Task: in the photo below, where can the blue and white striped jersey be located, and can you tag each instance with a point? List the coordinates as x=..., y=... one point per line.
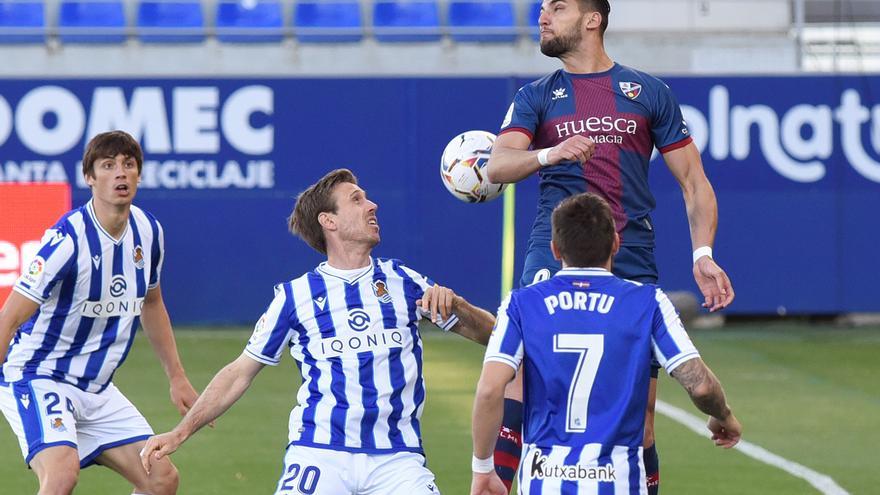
x=90, y=288
x=355, y=338
x=585, y=338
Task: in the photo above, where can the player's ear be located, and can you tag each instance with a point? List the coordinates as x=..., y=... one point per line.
x=555, y=250
x=594, y=21
x=90, y=181
x=327, y=220
x=615, y=246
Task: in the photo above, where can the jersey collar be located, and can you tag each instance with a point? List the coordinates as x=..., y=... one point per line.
x=91, y=209
x=583, y=272
x=348, y=276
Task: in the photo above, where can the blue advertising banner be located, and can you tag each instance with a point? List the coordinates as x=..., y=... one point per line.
x=795, y=163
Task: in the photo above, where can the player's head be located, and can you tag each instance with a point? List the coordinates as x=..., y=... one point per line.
x=583, y=232
x=564, y=23
x=336, y=209
x=112, y=165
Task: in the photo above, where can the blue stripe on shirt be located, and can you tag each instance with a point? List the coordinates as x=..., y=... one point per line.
x=318, y=288
x=96, y=359
x=85, y=323
x=369, y=393
x=281, y=326
x=155, y=251
x=413, y=293
x=308, y=418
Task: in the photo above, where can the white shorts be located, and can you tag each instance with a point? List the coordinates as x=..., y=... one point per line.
x=45, y=413
x=309, y=470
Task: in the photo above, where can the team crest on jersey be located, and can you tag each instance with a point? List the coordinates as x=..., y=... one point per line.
x=138, y=256
x=57, y=424
x=380, y=291
x=630, y=89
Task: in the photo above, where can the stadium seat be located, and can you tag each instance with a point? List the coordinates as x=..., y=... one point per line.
x=482, y=20
x=250, y=21
x=328, y=21
x=406, y=20
x=22, y=21
x=91, y=21
x=170, y=21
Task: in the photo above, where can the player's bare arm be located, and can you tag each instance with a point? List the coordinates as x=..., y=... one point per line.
x=16, y=311
x=512, y=161
x=157, y=326
x=488, y=411
x=707, y=394
x=702, y=212
x=473, y=323
x=227, y=386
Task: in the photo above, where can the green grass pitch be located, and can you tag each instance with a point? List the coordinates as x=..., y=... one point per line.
x=809, y=394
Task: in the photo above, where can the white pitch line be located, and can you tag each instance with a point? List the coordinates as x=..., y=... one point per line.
x=822, y=482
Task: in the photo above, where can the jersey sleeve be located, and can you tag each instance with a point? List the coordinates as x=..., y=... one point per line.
x=506, y=343
x=273, y=330
x=672, y=345
x=424, y=282
x=56, y=256
x=522, y=115
x=668, y=127
x=158, y=253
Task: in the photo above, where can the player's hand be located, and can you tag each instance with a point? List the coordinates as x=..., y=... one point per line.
x=183, y=395
x=487, y=484
x=713, y=283
x=438, y=299
x=577, y=148
x=725, y=433
x=158, y=446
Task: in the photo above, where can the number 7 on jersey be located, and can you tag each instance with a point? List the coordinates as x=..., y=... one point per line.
x=589, y=349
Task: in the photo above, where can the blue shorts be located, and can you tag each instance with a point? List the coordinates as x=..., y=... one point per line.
x=634, y=263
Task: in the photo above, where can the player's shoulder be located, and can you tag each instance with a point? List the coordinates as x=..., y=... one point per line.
x=649, y=83
x=545, y=84
x=394, y=267
x=143, y=215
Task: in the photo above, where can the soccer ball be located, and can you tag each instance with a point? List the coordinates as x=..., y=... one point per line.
x=463, y=167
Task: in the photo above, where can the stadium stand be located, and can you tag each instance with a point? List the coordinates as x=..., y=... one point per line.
x=169, y=21
x=22, y=21
x=250, y=21
x=91, y=21
x=328, y=21
x=406, y=20
x=482, y=20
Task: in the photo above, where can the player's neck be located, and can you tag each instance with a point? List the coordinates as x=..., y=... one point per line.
x=113, y=218
x=588, y=59
x=349, y=258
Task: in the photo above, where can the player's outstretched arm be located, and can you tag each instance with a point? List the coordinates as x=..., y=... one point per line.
x=157, y=326
x=473, y=323
x=488, y=411
x=227, y=386
x=707, y=394
x=512, y=161
x=17, y=310
x=702, y=211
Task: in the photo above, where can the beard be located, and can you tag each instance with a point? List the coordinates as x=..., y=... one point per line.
x=562, y=43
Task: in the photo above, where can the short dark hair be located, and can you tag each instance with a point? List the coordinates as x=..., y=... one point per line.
x=603, y=7
x=583, y=230
x=108, y=145
x=317, y=199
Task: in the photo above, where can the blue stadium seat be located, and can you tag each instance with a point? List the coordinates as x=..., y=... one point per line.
x=250, y=21
x=482, y=20
x=22, y=21
x=170, y=21
x=91, y=21
x=328, y=21
x=406, y=20
x=532, y=21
